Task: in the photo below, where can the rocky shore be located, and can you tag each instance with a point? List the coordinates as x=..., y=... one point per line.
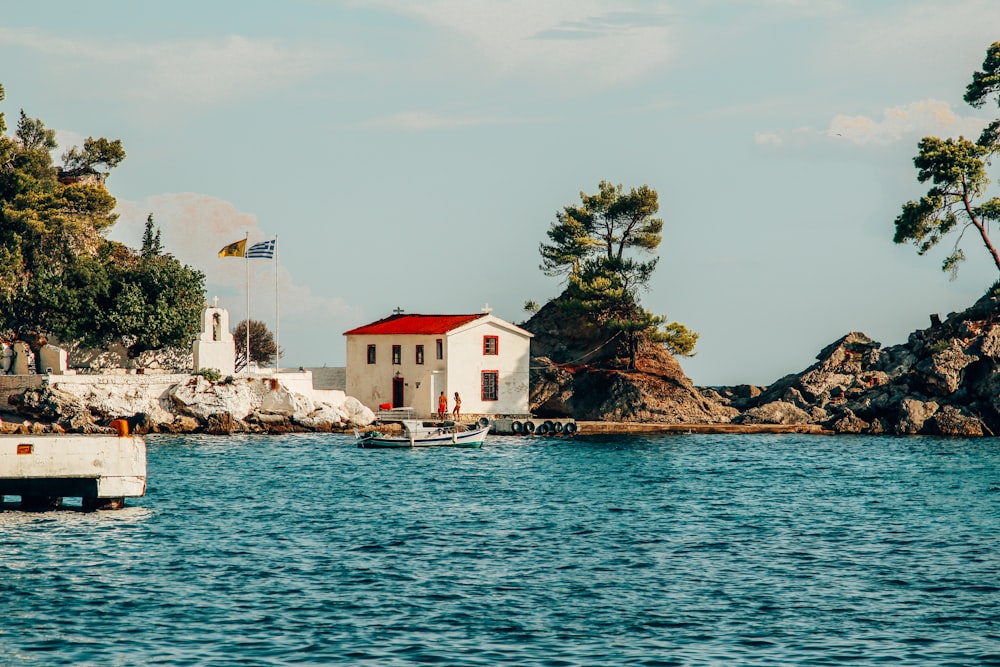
x=945, y=380
x=180, y=404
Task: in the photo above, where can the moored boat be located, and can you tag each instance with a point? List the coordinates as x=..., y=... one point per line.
x=416, y=433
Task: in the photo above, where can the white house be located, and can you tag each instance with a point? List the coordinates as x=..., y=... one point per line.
x=408, y=360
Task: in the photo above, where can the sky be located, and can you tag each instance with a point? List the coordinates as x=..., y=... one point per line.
x=413, y=154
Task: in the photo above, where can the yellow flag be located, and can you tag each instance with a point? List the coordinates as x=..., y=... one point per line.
x=234, y=249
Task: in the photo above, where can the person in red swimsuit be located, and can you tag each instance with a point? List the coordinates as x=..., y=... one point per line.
x=442, y=406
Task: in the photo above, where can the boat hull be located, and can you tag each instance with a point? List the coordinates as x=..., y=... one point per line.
x=472, y=438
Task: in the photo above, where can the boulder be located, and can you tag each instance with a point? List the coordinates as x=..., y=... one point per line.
x=952, y=421
x=54, y=406
x=181, y=424
x=109, y=401
x=943, y=372
x=281, y=401
x=200, y=398
x=222, y=423
x=775, y=412
x=989, y=346
x=324, y=419
x=849, y=423
x=912, y=415
x=356, y=414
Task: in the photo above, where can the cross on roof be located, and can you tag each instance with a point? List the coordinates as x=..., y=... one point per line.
x=397, y=311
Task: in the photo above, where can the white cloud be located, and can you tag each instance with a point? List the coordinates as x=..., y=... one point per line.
x=428, y=120
x=175, y=73
x=901, y=123
x=195, y=227
x=592, y=41
x=767, y=139
x=926, y=117
x=920, y=42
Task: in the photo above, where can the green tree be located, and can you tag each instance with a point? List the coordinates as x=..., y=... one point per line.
x=262, y=346
x=151, y=244
x=59, y=275
x=156, y=302
x=600, y=246
x=95, y=153
x=956, y=169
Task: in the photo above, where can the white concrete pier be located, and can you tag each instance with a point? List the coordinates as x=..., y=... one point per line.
x=102, y=470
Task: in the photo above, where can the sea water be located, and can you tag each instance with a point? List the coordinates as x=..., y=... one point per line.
x=665, y=550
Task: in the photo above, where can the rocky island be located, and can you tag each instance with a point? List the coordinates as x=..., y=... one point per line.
x=945, y=380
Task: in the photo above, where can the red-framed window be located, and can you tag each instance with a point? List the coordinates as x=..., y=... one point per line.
x=491, y=386
x=397, y=354
x=439, y=348
x=420, y=354
x=371, y=354
x=491, y=345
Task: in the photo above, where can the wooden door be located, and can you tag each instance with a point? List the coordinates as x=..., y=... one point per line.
x=397, y=392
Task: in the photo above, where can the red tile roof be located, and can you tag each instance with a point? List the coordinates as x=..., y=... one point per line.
x=414, y=324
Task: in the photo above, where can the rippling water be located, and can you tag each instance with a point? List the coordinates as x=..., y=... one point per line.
x=671, y=550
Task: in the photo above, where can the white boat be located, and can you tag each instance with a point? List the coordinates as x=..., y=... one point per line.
x=416, y=433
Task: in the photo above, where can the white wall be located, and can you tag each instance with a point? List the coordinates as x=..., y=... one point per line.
x=467, y=362
x=372, y=383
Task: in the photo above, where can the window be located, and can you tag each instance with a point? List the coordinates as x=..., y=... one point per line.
x=420, y=354
x=371, y=354
x=397, y=354
x=490, y=385
x=491, y=345
x=440, y=348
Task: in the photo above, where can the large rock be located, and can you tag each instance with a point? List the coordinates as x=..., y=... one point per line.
x=849, y=422
x=776, y=412
x=913, y=414
x=950, y=420
x=355, y=413
x=51, y=405
x=944, y=380
x=943, y=372
x=580, y=369
x=123, y=400
x=201, y=398
x=843, y=368
x=990, y=344
x=657, y=391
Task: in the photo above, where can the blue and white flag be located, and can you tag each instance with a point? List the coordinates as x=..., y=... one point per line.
x=263, y=250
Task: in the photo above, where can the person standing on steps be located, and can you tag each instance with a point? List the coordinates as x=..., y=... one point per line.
x=458, y=407
x=442, y=406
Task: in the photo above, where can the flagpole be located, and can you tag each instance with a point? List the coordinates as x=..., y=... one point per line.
x=277, y=311
x=246, y=263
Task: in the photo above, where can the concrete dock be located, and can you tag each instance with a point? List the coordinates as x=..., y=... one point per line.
x=571, y=427
x=102, y=470
x=597, y=428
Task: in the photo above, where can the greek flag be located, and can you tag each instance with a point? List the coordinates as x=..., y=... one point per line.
x=262, y=250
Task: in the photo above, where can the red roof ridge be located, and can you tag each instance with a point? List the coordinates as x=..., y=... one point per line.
x=414, y=324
